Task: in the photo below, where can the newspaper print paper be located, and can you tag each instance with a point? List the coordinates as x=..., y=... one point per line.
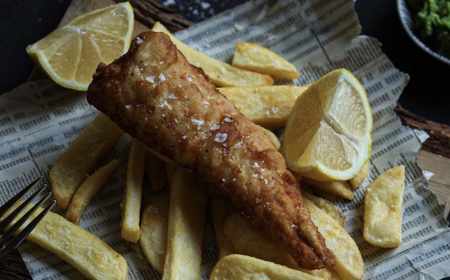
x=317, y=36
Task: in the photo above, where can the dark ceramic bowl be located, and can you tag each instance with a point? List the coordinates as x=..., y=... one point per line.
x=407, y=22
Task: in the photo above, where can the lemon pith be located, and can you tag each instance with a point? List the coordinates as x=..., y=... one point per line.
x=70, y=54
x=328, y=134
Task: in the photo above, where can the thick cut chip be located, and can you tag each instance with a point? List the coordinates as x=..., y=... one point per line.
x=256, y=58
x=329, y=207
x=273, y=138
x=383, y=209
x=220, y=73
x=246, y=240
x=133, y=193
x=239, y=267
x=339, y=189
x=171, y=167
x=155, y=172
x=187, y=211
x=220, y=212
x=70, y=54
x=328, y=134
x=81, y=158
x=349, y=262
x=356, y=181
x=324, y=273
x=268, y=106
x=154, y=230
x=88, y=189
x=84, y=251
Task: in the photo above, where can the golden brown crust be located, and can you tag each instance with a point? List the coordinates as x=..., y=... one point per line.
x=154, y=94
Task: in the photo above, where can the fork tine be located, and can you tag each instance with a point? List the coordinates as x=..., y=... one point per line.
x=17, y=240
x=16, y=197
x=6, y=221
x=12, y=229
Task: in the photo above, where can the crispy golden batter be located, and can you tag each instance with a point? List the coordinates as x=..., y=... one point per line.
x=154, y=94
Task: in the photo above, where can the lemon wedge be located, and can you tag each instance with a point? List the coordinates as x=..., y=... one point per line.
x=70, y=54
x=328, y=134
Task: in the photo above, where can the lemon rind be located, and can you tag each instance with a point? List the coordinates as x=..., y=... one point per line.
x=73, y=84
x=317, y=170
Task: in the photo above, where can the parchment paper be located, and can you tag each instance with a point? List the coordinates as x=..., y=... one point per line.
x=317, y=36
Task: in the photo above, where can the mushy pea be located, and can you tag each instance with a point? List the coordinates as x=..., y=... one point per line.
x=432, y=22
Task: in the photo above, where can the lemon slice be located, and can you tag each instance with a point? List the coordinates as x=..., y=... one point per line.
x=70, y=54
x=328, y=134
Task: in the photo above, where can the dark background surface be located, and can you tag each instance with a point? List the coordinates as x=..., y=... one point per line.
x=25, y=21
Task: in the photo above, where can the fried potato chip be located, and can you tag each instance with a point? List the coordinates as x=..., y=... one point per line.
x=259, y=59
x=349, y=262
x=268, y=106
x=154, y=230
x=220, y=73
x=339, y=189
x=170, y=171
x=329, y=207
x=324, y=273
x=356, y=181
x=239, y=267
x=383, y=209
x=187, y=210
x=273, y=138
x=88, y=189
x=155, y=172
x=220, y=212
x=130, y=229
x=84, y=251
x=81, y=158
x=246, y=240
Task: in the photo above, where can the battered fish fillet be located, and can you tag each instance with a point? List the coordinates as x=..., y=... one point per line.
x=155, y=95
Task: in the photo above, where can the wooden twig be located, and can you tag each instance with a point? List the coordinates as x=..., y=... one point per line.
x=439, y=141
x=150, y=11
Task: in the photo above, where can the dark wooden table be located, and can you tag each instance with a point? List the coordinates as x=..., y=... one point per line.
x=23, y=22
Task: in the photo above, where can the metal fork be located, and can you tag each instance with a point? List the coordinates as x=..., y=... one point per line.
x=13, y=219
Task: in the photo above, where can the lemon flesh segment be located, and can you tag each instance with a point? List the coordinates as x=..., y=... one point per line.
x=71, y=54
x=328, y=134
x=113, y=20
